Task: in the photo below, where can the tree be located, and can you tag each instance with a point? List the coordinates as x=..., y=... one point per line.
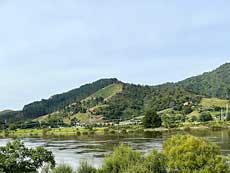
x=16, y=158
x=191, y=154
x=205, y=116
x=151, y=119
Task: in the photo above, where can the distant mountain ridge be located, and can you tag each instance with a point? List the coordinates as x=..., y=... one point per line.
x=128, y=100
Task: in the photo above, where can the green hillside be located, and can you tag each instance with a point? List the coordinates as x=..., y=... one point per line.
x=59, y=101
x=212, y=84
x=11, y=115
x=107, y=92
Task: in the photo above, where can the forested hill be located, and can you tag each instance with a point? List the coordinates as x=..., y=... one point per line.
x=59, y=101
x=113, y=99
x=56, y=102
x=212, y=84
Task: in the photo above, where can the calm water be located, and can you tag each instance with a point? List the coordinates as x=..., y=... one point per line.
x=93, y=148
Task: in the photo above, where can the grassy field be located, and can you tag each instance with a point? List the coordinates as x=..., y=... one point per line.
x=213, y=102
x=107, y=92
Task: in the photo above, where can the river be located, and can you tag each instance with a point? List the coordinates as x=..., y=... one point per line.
x=73, y=150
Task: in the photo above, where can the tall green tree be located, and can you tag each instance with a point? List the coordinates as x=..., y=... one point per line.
x=151, y=119
x=16, y=158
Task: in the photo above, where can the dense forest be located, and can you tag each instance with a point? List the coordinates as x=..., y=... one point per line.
x=135, y=99
x=114, y=99
x=211, y=84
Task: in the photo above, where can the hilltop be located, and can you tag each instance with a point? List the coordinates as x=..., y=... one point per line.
x=211, y=84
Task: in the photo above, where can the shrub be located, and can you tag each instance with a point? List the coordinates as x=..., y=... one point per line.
x=63, y=168
x=192, y=118
x=205, y=116
x=121, y=159
x=137, y=169
x=86, y=168
x=191, y=154
x=172, y=120
x=155, y=162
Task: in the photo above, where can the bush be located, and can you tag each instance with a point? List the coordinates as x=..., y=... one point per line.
x=193, y=118
x=191, y=154
x=155, y=162
x=63, y=168
x=172, y=120
x=205, y=116
x=86, y=168
x=121, y=159
x=137, y=169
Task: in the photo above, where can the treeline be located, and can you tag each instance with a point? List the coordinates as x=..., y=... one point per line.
x=211, y=84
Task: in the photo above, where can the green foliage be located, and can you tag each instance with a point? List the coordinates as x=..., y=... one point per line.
x=205, y=116
x=228, y=116
x=193, y=118
x=181, y=153
x=212, y=84
x=60, y=101
x=134, y=99
x=169, y=95
x=190, y=154
x=155, y=162
x=121, y=159
x=187, y=110
x=16, y=158
x=63, y=168
x=172, y=120
x=10, y=116
x=151, y=119
x=86, y=168
x=137, y=169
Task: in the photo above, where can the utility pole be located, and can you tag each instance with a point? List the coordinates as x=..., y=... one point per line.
x=227, y=104
x=226, y=114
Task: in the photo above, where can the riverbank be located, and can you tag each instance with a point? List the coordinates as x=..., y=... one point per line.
x=121, y=130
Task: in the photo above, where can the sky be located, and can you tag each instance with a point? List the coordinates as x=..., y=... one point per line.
x=52, y=46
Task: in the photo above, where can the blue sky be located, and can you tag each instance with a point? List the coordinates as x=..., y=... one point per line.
x=51, y=46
